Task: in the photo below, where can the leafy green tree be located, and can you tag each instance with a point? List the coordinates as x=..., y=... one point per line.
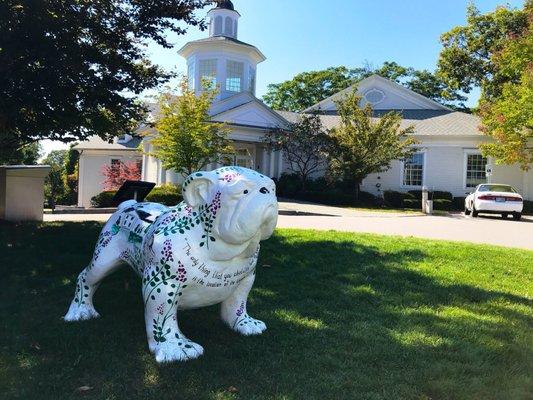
x=54, y=186
x=70, y=174
x=186, y=140
x=305, y=146
x=68, y=69
x=362, y=145
x=25, y=155
x=466, y=60
x=309, y=88
x=493, y=51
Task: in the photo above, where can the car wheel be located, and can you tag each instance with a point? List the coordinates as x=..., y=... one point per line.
x=474, y=211
x=505, y=215
x=467, y=211
x=517, y=216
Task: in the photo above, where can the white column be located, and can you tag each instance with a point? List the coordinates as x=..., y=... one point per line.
x=264, y=162
x=272, y=164
x=280, y=163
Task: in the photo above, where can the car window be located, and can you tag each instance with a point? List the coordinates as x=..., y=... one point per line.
x=496, y=188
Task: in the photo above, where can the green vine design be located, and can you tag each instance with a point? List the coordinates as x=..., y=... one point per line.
x=81, y=289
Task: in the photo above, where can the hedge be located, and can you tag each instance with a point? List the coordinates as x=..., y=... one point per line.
x=168, y=195
x=104, y=199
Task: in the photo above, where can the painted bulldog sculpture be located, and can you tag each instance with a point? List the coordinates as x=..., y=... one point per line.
x=199, y=253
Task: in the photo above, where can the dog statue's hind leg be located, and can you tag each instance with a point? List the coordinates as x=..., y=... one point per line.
x=105, y=261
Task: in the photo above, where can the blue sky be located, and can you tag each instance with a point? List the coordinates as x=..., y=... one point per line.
x=305, y=35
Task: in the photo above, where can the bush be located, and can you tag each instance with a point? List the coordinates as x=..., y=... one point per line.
x=169, y=195
x=437, y=194
x=104, y=199
x=458, y=203
x=442, y=204
x=288, y=185
x=396, y=199
x=412, y=203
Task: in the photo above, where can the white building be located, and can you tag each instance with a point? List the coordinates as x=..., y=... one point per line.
x=448, y=158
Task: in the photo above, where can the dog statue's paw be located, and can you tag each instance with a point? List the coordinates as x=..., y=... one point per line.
x=177, y=350
x=247, y=326
x=80, y=313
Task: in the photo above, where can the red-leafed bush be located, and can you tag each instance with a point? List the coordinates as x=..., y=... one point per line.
x=119, y=172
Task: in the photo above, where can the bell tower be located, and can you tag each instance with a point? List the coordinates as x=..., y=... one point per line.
x=221, y=59
x=223, y=20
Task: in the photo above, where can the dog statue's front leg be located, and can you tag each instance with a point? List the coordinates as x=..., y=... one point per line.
x=233, y=310
x=161, y=294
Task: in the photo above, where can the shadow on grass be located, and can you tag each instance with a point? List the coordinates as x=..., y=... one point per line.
x=349, y=316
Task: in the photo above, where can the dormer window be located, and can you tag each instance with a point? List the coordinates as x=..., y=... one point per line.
x=234, y=76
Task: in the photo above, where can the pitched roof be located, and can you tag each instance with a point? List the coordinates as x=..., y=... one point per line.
x=425, y=122
x=427, y=102
x=97, y=143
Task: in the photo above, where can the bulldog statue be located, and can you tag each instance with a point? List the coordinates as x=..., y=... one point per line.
x=199, y=253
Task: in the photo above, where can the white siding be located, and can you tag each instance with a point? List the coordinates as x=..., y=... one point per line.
x=90, y=176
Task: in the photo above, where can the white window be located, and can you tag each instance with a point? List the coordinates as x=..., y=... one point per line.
x=251, y=80
x=234, y=76
x=235, y=29
x=190, y=75
x=218, y=25
x=208, y=71
x=243, y=158
x=475, y=170
x=229, y=27
x=413, y=170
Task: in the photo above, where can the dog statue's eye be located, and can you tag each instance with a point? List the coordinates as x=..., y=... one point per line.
x=246, y=192
x=264, y=190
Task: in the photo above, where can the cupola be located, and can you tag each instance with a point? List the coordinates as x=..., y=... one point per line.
x=223, y=19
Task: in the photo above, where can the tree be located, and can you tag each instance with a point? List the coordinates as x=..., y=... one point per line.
x=309, y=88
x=305, y=146
x=25, y=155
x=70, y=174
x=466, y=60
x=54, y=187
x=362, y=145
x=494, y=51
x=116, y=174
x=71, y=69
x=186, y=139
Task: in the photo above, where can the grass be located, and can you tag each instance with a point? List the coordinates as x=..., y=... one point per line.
x=349, y=316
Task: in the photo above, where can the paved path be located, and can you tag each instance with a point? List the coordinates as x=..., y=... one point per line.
x=456, y=227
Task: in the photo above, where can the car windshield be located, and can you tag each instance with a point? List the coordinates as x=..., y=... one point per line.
x=496, y=188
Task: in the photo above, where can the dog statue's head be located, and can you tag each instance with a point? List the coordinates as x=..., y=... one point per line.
x=242, y=202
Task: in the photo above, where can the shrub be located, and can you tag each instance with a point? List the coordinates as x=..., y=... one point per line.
x=396, y=199
x=458, y=203
x=437, y=194
x=104, y=199
x=412, y=203
x=288, y=185
x=169, y=195
x=442, y=204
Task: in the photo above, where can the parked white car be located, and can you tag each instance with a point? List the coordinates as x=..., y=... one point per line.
x=494, y=198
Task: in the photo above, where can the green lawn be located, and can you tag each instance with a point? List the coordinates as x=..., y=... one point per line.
x=349, y=317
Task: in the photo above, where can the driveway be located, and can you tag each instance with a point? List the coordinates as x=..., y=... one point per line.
x=455, y=227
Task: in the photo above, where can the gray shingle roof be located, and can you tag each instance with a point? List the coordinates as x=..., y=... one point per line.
x=97, y=143
x=425, y=122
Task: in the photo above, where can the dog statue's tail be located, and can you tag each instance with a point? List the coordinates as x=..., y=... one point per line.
x=126, y=204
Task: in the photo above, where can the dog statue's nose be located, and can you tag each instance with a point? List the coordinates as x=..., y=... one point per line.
x=264, y=190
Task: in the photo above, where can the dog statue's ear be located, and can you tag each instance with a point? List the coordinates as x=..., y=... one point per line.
x=197, y=187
